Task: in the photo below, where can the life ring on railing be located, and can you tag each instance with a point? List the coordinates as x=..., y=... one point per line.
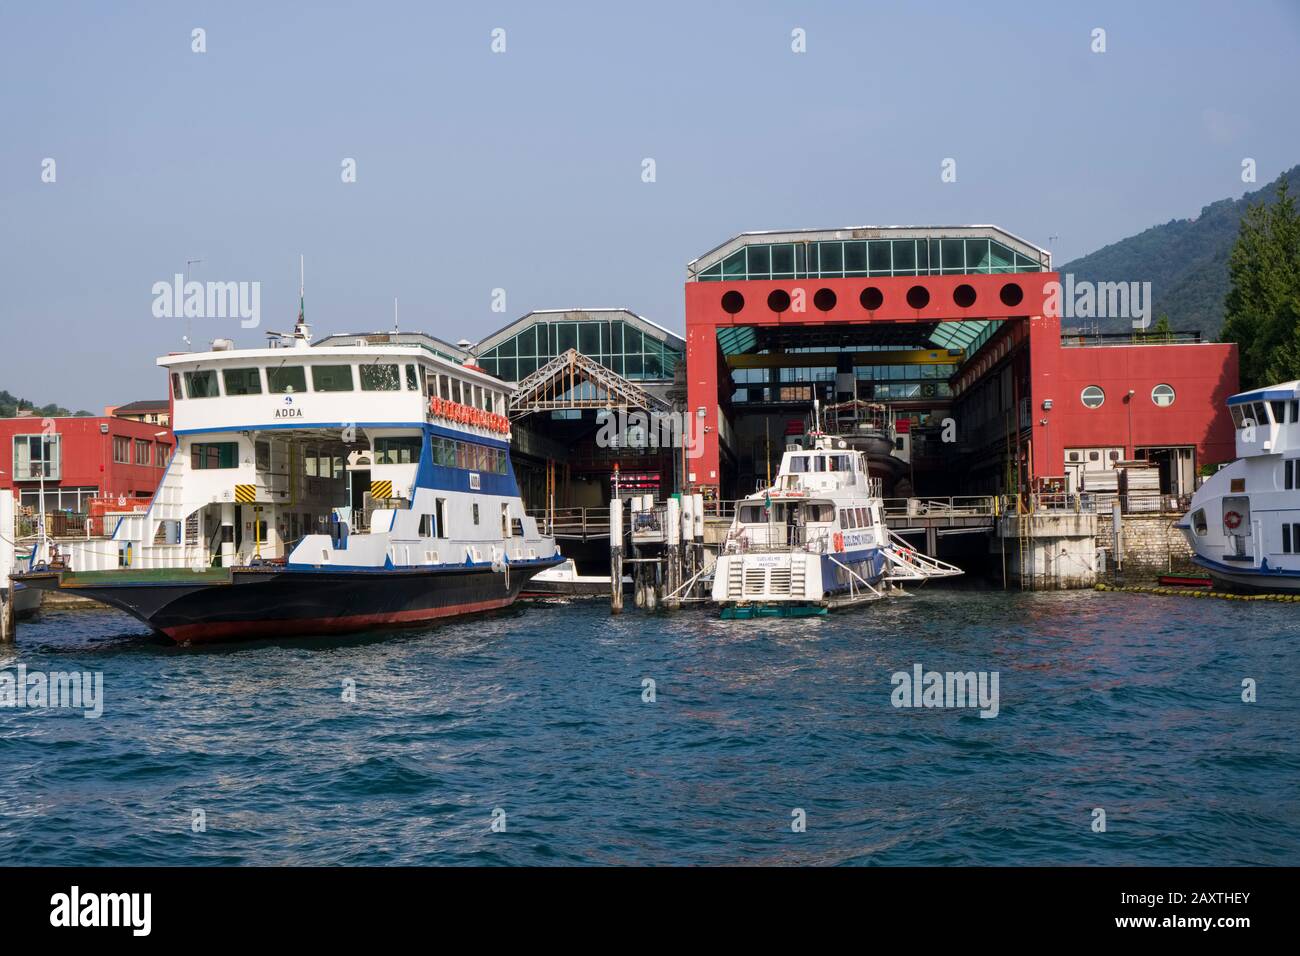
x=839, y=541
x=1231, y=520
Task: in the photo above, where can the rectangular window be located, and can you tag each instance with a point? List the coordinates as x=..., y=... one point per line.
x=378, y=378
x=176, y=387
x=37, y=456
x=161, y=453
x=201, y=384
x=242, y=381
x=142, y=446
x=331, y=378
x=262, y=455
x=1289, y=481
x=440, y=517
x=1295, y=411
x=426, y=526
x=286, y=380
x=1279, y=412
x=121, y=450
x=398, y=451
x=1286, y=539
x=223, y=454
x=412, y=381
x=476, y=512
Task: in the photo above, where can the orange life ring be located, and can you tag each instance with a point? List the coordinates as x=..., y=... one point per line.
x=839, y=541
x=1231, y=520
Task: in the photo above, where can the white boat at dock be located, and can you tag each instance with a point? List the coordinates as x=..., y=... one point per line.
x=1244, y=522
x=815, y=540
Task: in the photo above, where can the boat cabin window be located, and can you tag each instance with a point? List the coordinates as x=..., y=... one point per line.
x=1291, y=538
x=839, y=463
x=751, y=514
x=222, y=454
x=176, y=387
x=380, y=378
x=1295, y=411
x=286, y=380
x=242, y=381
x=1279, y=411
x=846, y=518
x=331, y=378
x=412, y=381
x=404, y=450
x=798, y=464
x=201, y=384
x=1199, y=525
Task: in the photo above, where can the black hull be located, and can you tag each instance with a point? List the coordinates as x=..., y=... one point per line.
x=277, y=602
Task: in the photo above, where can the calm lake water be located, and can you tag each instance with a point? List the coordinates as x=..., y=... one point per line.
x=1123, y=702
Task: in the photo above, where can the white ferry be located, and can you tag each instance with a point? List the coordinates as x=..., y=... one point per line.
x=815, y=540
x=1244, y=522
x=318, y=490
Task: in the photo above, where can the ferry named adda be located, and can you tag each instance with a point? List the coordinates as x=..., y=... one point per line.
x=1244, y=522
x=319, y=490
x=815, y=540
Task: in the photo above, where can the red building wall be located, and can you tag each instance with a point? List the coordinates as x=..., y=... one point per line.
x=1202, y=376
x=88, y=454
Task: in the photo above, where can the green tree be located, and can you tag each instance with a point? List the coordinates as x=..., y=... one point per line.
x=1263, y=301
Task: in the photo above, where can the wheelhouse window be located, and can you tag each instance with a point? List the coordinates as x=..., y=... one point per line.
x=398, y=451
x=242, y=381
x=286, y=380
x=202, y=384
x=210, y=455
x=799, y=464
x=176, y=387
x=751, y=514
x=1199, y=524
x=412, y=380
x=380, y=378
x=332, y=378
x=1092, y=397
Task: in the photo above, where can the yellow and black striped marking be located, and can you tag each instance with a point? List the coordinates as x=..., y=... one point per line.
x=381, y=490
x=245, y=494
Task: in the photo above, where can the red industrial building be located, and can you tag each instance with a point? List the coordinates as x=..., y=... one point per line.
x=945, y=325
x=81, y=459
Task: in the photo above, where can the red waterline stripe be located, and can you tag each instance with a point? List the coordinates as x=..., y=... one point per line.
x=323, y=625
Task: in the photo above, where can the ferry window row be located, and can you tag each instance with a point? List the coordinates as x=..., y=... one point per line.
x=453, y=389
x=855, y=518
x=1284, y=412
x=802, y=464
x=450, y=453
x=292, y=380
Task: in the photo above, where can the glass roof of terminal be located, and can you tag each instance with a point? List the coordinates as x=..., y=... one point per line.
x=837, y=259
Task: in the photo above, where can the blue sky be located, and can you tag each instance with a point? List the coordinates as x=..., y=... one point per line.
x=522, y=170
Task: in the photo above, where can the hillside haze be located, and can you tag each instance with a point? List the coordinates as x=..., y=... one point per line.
x=1185, y=260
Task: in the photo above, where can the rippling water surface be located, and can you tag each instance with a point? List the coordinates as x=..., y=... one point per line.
x=1118, y=701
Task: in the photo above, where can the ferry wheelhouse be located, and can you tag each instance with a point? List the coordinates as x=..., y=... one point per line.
x=815, y=540
x=317, y=490
x=1244, y=522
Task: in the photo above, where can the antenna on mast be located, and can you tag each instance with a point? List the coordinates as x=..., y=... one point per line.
x=301, y=330
x=394, y=315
